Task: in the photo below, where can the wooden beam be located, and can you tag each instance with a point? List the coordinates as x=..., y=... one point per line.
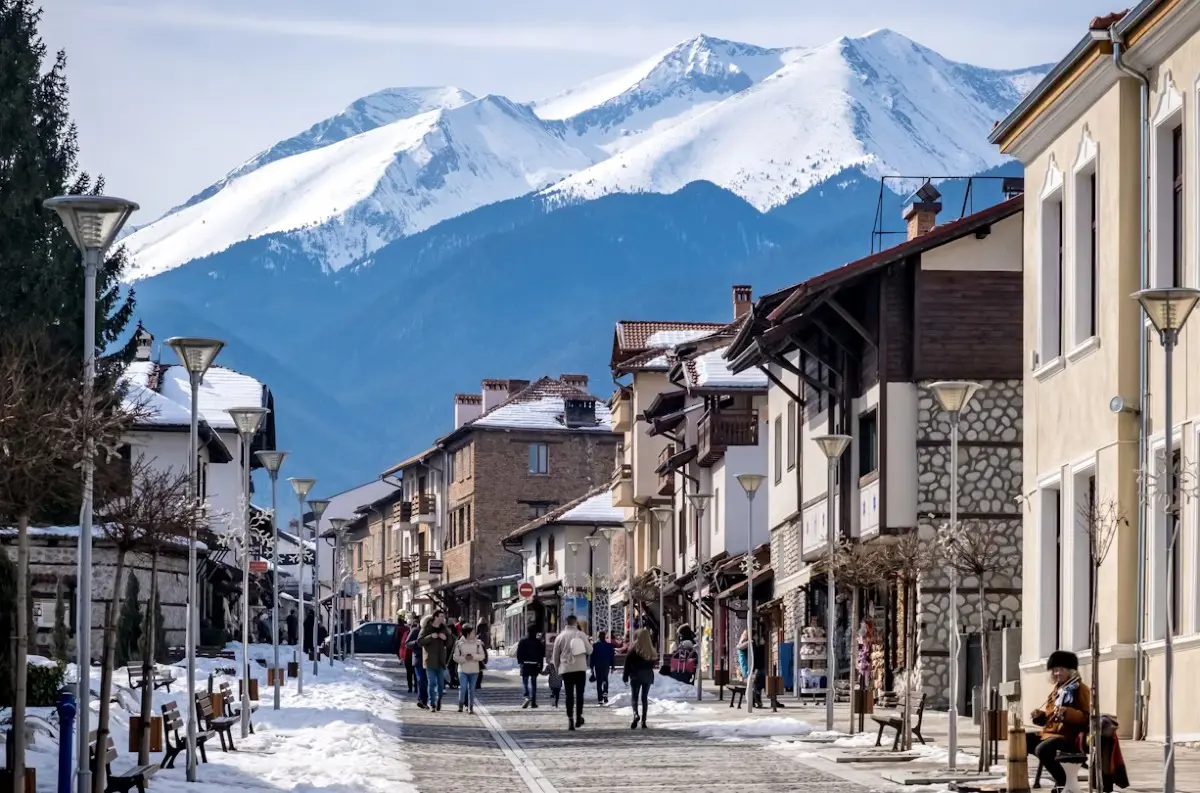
x=782, y=387
x=833, y=337
x=807, y=349
x=854, y=324
x=812, y=381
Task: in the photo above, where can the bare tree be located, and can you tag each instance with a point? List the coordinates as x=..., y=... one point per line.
x=50, y=418
x=908, y=560
x=975, y=552
x=859, y=567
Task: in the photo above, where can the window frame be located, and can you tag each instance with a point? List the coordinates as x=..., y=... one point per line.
x=1050, y=329
x=792, y=434
x=778, y=451
x=539, y=459
x=869, y=417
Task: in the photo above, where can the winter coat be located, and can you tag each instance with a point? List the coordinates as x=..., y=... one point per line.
x=603, y=655
x=402, y=642
x=472, y=647
x=531, y=654
x=571, y=651
x=437, y=649
x=639, y=669
x=293, y=623
x=1067, y=710
x=414, y=648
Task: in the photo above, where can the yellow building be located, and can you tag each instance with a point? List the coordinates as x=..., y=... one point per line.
x=1115, y=123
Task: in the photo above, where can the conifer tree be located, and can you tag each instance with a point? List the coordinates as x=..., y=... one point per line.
x=129, y=623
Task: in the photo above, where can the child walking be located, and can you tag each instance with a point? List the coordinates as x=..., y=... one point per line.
x=555, y=681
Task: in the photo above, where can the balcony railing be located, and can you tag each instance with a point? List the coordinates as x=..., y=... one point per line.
x=403, y=512
x=622, y=486
x=666, y=482
x=423, y=508
x=425, y=566
x=718, y=430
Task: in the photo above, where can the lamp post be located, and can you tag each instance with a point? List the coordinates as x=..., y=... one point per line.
x=750, y=484
x=318, y=508
x=301, y=487
x=195, y=355
x=1168, y=310
x=273, y=461
x=661, y=517
x=832, y=446
x=336, y=623
x=247, y=421
x=699, y=502
x=93, y=223
x=630, y=530
x=593, y=543
x=953, y=396
x=574, y=547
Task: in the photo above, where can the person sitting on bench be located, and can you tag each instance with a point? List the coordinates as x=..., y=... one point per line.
x=1063, y=718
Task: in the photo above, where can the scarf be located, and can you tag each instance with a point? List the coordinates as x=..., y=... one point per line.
x=1066, y=694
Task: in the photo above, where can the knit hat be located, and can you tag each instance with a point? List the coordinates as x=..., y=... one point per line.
x=1063, y=659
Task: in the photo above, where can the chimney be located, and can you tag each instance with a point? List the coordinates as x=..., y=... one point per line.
x=579, y=381
x=494, y=392
x=743, y=299
x=579, y=413
x=145, y=343
x=466, y=408
x=516, y=385
x=921, y=213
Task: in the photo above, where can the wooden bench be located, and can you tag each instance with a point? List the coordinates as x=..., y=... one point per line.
x=125, y=781
x=230, y=710
x=896, y=722
x=137, y=679
x=211, y=722
x=176, y=735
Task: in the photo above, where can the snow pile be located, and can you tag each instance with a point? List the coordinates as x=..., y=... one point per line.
x=745, y=728
x=664, y=688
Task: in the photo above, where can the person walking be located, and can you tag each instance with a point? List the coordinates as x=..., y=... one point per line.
x=451, y=666
x=410, y=631
x=417, y=658
x=436, y=644
x=571, y=655
x=484, y=636
x=603, y=657
x=531, y=654
x=639, y=673
x=293, y=623
x=469, y=653
x=308, y=634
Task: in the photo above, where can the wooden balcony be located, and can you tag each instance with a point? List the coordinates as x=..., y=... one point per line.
x=424, y=508
x=666, y=482
x=402, y=513
x=425, y=566
x=718, y=430
x=404, y=571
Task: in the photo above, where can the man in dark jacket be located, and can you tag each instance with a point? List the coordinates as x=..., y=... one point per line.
x=531, y=655
x=308, y=633
x=603, y=656
x=292, y=624
x=485, y=638
x=436, y=642
x=416, y=657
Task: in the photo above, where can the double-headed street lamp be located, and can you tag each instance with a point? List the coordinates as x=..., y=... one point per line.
x=247, y=420
x=750, y=484
x=699, y=502
x=318, y=507
x=195, y=355
x=273, y=461
x=93, y=223
x=301, y=487
x=337, y=579
x=631, y=526
x=662, y=517
x=1168, y=310
x=593, y=543
x=833, y=447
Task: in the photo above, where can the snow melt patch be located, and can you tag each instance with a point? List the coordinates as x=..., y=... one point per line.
x=744, y=728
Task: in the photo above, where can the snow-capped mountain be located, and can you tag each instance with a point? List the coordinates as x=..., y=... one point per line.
x=880, y=103
x=766, y=124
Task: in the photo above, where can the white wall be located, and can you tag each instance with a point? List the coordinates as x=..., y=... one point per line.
x=571, y=569
x=783, y=498
x=646, y=386
x=733, y=512
x=901, y=455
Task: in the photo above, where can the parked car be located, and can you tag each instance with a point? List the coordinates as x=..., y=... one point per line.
x=370, y=638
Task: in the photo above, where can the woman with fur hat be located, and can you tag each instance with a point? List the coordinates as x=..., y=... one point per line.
x=1063, y=718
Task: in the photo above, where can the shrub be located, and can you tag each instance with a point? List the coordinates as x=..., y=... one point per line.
x=45, y=681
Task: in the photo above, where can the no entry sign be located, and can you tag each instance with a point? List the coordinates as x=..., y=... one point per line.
x=525, y=590
x=258, y=565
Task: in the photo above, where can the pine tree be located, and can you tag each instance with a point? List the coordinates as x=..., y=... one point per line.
x=62, y=641
x=129, y=623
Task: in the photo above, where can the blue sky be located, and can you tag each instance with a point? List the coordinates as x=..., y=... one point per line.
x=169, y=95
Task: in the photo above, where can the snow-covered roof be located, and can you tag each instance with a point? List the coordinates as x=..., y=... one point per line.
x=593, y=507
x=72, y=532
x=540, y=407
x=160, y=410
x=665, y=339
x=170, y=405
x=711, y=370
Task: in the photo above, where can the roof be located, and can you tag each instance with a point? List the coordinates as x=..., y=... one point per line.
x=162, y=412
x=538, y=406
x=594, y=507
x=710, y=371
x=344, y=504
x=635, y=341
x=220, y=390
x=419, y=457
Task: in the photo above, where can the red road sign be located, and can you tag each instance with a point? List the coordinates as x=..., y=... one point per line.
x=525, y=590
x=258, y=565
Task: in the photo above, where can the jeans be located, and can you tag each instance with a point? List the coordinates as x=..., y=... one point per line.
x=601, y=673
x=410, y=674
x=529, y=685
x=466, y=691
x=422, y=692
x=639, y=689
x=1047, y=751
x=574, y=683
x=437, y=685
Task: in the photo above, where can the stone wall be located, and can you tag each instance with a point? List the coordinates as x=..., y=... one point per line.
x=989, y=483
x=786, y=561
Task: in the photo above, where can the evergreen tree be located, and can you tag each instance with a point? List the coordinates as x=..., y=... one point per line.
x=129, y=623
x=62, y=641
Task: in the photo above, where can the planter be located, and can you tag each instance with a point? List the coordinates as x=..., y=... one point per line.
x=775, y=686
x=253, y=688
x=135, y=734
x=293, y=669
x=271, y=675
x=721, y=677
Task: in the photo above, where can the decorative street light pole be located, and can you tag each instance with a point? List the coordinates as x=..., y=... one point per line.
x=662, y=515
x=273, y=461
x=631, y=526
x=593, y=543
x=699, y=502
x=832, y=446
x=93, y=223
x=247, y=420
x=750, y=484
x=337, y=623
x=195, y=355
x=318, y=507
x=573, y=575
x=1168, y=310
x=953, y=396
x=301, y=486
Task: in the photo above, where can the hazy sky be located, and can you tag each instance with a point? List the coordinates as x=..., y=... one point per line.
x=169, y=95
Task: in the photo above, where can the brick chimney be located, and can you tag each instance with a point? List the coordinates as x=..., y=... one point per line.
x=921, y=213
x=579, y=381
x=466, y=408
x=743, y=299
x=494, y=392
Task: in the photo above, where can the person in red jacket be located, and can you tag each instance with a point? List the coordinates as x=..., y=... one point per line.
x=404, y=653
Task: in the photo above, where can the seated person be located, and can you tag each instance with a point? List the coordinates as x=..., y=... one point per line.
x=1063, y=718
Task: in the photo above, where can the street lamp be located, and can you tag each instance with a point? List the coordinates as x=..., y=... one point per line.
x=247, y=421
x=833, y=447
x=318, y=507
x=954, y=396
x=631, y=526
x=273, y=461
x=1168, y=309
x=336, y=623
x=301, y=487
x=699, y=502
x=661, y=517
x=195, y=355
x=93, y=223
x=750, y=484
x=526, y=555
x=593, y=543
x=574, y=547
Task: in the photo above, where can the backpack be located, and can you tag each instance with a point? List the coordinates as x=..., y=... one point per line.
x=578, y=646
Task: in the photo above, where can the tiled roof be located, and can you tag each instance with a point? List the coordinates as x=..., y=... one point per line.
x=595, y=506
x=637, y=335
x=419, y=457
x=539, y=406
x=171, y=399
x=711, y=370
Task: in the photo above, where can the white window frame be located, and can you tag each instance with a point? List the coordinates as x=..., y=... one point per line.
x=1168, y=115
x=1193, y=520
x=1051, y=324
x=1157, y=574
x=1048, y=519
x=1085, y=311
x=1077, y=558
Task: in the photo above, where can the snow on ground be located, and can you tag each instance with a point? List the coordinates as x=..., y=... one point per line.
x=343, y=733
x=745, y=728
x=664, y=688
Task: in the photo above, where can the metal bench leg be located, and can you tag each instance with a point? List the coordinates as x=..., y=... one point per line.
x=917, y=732
x=879, y=737
x=896, y=743
x=203, y=754
x=1037, y=782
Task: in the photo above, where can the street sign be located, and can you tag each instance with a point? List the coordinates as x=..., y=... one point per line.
x=435, y=567
x=258, y=566
x=525, y=590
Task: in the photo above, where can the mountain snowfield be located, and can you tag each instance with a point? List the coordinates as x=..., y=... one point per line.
x=766, y=124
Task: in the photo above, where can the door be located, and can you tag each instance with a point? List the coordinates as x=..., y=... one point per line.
x=973, y=676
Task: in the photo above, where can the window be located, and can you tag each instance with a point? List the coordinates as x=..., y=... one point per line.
x=716, y=509
x=681, y=524
x=868, y=443
x=453, y=473
x=778, y=449
x=792, y=431
x=539, y=458
x=1051, y=327
x=202, y=475
x=1080, y=611
x=467, y=521
x=1047, y=512
x=538, y=510
x=537, y=556
x=1087, y=250
x=1177, y=207
x=550, y=553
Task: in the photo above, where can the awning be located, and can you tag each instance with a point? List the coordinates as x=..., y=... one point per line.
x=515, y=609
x=677, y=461
x=663, y=404
x=760, y=577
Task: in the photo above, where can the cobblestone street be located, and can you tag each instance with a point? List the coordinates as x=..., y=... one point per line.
x=503, y=748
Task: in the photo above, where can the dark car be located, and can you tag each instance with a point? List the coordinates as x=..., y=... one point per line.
x=370, y=638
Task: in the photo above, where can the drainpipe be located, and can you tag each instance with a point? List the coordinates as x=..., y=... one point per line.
x=1139, y=704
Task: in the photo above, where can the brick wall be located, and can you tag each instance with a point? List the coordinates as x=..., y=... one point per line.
x=968, y=325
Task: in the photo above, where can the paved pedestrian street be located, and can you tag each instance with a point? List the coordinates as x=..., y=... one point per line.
x=502, y=748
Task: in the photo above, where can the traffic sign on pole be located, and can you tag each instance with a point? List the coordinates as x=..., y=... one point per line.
x=525, y=590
